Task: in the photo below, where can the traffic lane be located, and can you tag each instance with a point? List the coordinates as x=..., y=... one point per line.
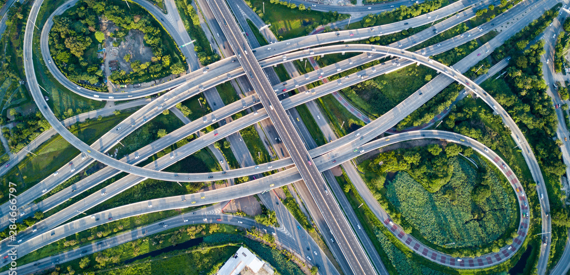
x=202, y=198
x=456, y=138
x=260, y=83
x=138, y=233
x=81, y=161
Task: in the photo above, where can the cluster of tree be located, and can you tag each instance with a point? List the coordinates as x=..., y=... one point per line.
x=73, y=35
x=427, y=165
x=563, y=93
x=290, y=5
x=12, y=40
x=402, y=12
x=267, y=217
x=562, y=43
x=27, y=128
x=19, y=227
x=202, y=45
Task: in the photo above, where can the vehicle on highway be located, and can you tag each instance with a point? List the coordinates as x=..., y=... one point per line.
x=219, y=219
x=110, y=218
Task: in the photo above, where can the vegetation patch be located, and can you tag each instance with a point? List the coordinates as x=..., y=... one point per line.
x=81, y=36
x=289, y=20
x=473, y=210
x=191, y=22
x=255, y=145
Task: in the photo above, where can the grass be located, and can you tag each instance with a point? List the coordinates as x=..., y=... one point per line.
x=230, y=157
x=54, y=153
x=342, y=121
x=255, y=145
x=287, y=23
x=260, y=38
x=282, y=72
x=60, y=98
x=146, y=134
x=227, y=93
x=311, y=124
x=199, y=162
x=389, y=90
x=199, y=109
x=397, y=258
x=293, y=207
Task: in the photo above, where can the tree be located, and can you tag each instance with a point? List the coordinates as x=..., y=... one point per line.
x=428, y=77
x=521, y=62
x=117, y=112
x=165, y=112
x=177, y=68
x=452, y=150
x=227, y=144
x=434, y=149
x=161, y=133
x=127, y=57
x=314, y=269
x=84, y=262
x=38, y=215
x=100, y=36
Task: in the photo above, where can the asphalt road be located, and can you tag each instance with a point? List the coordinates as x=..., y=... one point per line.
x=282, y=178
x=292, y=86
x=352, y=250
x=181, y=38
x=550, y=76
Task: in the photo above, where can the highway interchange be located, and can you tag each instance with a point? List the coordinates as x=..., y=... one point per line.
x=181, y=93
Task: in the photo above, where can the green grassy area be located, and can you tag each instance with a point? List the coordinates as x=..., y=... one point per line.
x=199, y=107
x=54, y=153
x=230, y=157
x=255, y=145
x=191, y=22
x=282, y=72
x=342, y=121
x=199, y=162
x=61, y=100
x=227, y=93
x=146, y=134
x=287, y=23
x=311, y=124
x=397, y=258
x=450, y=218
x=260, y=38
x=384, y=92
x=294, y=209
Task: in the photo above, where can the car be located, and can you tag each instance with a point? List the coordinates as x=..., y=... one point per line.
x=8, y=164
x=358, y=226
x=309, y=258
x=478, y=54
x=219, y=219
x=216, y=134
x=103, y=192
x=210, y=177
x=352, y=34
x=298, y=227
x=369, y=8
x=6, y=257
x=565, y=139
x=256, y=167
x=315, y=252
x=309, y=162
x=406, y=23
x=334, y=161
x=240, y=222
x=246, y=34
x=110, y=218
x=554, y=36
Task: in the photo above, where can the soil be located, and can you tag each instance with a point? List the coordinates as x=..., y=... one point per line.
x=249, y=205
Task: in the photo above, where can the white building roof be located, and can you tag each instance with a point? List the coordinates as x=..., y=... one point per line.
x=243, y=258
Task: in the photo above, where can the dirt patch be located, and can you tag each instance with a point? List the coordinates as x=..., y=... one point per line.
x=133, y=45
x=280, y=193
x=337, y=172
x=248, y=205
